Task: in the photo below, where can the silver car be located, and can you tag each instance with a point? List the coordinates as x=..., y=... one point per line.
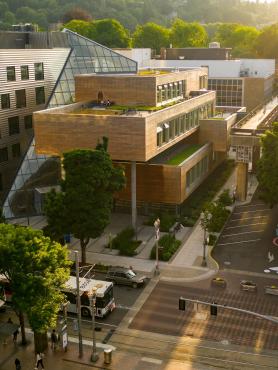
x=125, y=276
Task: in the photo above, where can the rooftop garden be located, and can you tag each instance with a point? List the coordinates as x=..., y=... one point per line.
x=98, y=112
x=182, y=156
x=138, y=108
x=150, y=72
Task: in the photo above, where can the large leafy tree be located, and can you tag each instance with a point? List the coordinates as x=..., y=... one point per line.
x=244, y=39
x=151, y=35
x=111, y=33
x=85, y=204
x=267, y=42
x=185, y=34
x=267, y=172
x=36, y=268
x=82, y=27
x=90, y=181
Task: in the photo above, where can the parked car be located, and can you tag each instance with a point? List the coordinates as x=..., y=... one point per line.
x=271, y=289
x=125, y=276
x=248, y=285
x=218, y=281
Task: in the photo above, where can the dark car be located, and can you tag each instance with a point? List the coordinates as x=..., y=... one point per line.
x=125, y=276
x=218, y=281
x=248, y=285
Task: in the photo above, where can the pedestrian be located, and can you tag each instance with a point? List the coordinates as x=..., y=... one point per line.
x=10, y=321
x=15, y=334
x=17, y=364
x=39, y=359
x=54, y=340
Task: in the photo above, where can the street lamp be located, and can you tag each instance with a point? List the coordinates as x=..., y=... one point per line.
x=78, y=304
x=156, y=228
x=205, y=218
x=92, y=299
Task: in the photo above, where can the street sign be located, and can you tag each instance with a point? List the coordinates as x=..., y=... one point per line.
x=65, y=339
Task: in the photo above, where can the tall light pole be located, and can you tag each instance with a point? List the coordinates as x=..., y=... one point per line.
x=78, y=304
x=205, y=218
x=92, y=298
x=156, y=228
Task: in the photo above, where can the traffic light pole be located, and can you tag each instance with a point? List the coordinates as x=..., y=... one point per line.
x=265, y=317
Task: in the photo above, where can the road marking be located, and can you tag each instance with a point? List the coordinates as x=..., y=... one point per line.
x=246, y=218
x=245, y=241
x=233, y=227
x=252, y=205
x=258, y=210
x=247, y=232
x=151, y=360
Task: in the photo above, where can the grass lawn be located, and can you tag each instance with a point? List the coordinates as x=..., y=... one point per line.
x=179, y=158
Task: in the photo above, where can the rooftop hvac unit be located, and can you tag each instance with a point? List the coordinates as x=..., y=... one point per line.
x=214, y=45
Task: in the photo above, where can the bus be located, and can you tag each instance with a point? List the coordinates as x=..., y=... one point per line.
x=105, y=302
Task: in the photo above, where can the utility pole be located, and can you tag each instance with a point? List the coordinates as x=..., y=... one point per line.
x=78, y=304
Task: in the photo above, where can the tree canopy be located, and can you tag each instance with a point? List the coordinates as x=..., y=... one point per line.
x=87, y=195
x=267, y=42
x=185, y=34
x=267, y=173
x=36, y=268
x=151, y=35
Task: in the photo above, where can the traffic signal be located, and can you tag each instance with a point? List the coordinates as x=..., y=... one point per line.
x=182, y=304
x=213, y=309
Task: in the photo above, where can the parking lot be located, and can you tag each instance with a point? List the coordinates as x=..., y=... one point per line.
x=246, y=242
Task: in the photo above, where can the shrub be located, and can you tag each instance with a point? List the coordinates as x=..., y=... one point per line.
x=212, y=239
x=168, y=246
x=124, y=243
x=225, y=199
x=167, y=220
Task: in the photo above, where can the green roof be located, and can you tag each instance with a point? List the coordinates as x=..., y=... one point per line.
x=182, y=156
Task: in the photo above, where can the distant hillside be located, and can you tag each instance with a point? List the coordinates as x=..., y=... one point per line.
x=133, y=12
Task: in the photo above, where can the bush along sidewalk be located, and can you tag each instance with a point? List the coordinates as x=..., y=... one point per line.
x=193, y=206
x=124, y=242
x=167, y=220
x=168, y=245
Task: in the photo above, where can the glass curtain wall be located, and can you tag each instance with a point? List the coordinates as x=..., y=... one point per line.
x=86, y=56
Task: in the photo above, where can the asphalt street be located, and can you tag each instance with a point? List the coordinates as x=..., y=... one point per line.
x=160, y=313
x=247, y=239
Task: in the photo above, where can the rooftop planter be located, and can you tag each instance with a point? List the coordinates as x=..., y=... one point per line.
x=182, y=156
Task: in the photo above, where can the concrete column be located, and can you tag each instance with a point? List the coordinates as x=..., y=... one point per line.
x=255, y=157
x=133, y=196
x=242, y=181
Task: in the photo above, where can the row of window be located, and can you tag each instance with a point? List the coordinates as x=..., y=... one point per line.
x=197, y=171
x=15, y=151
x=24, y=72
x=231, y=82
x=20, y=97
x=170, y=91
x=13, y=123
x=168, y=131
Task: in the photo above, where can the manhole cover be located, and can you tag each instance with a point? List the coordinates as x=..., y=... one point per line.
x=227, y=263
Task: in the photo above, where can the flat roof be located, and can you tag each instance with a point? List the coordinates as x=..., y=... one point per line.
x=86, y=285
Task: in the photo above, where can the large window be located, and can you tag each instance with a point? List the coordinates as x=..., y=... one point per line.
x=197, y=171
x=5, y=101
x=3, y=154
x=20, y=96
x=10, y=73
x=40, y=95
x=16, y=152
x=28, y=122
x=228, y=91
x=13, y=125
x=170, y=91
x=39, y=71
x=181, y=124
x=24, y=72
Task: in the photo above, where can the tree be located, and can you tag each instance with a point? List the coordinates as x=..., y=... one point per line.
x=185, y=34
x=243, y=41
x=36, y=268
x=267, y=173
x=267, y=42
x=54, y=209
x=224, y=34
x=76, y=14
x=90, y=181
x=81, y=27
x=151, y=35
x=110, y=32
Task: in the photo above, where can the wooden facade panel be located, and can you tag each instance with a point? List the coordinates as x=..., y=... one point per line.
x=58, y=133
x=155, y=183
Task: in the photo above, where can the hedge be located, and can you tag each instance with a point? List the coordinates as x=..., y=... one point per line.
x=124, y=242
